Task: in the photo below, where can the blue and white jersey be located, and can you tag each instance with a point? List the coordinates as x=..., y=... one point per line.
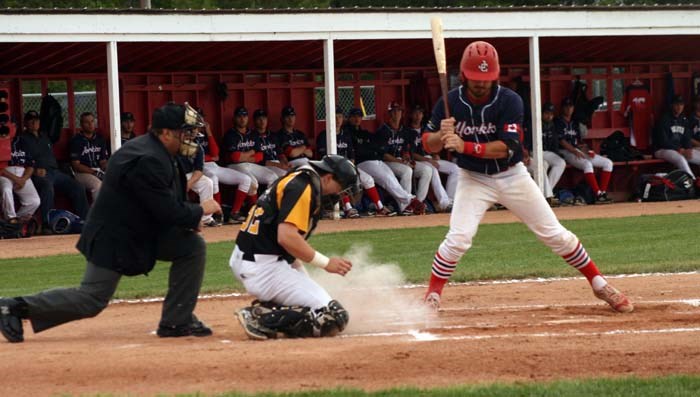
x=568, y=131
x=89, y=151
x=500, y=118
x=393, y=140
x=20, y=155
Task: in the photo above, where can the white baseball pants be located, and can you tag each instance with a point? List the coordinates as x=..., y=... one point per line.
x=259, y=174
x=554, y=167
x=204, y=187
x=384, y=177
x=516, y=190
x=678, y=160
x=366, y=180
x=28, y=197
x=452, y=171
x=90, y=182
x=430, y=174
x=587, y=163
x=299, y=161
x=227, y=176
x=403, y=173
x=271, y=279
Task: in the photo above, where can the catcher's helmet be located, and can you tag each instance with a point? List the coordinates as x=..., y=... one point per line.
x=480, y=62
x=342, y=168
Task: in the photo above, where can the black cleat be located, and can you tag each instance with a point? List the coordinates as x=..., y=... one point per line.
x=10, y=323
x=196, y=328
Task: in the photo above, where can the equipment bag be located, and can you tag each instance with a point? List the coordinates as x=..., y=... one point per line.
x=676, y=185
x=617, y=147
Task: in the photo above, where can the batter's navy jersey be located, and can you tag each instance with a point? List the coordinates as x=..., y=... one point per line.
x=367, y=145
x=500, y=118
x=413, y=138
x=236, y=142
x=568, y=131
x=695, y=127
x=343, y=143
x=20, y=156
x=89, y=151
x=269, y=145
x=292, y=140
x=392, y=140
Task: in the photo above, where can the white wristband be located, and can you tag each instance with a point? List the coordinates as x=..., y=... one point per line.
x=319, y=260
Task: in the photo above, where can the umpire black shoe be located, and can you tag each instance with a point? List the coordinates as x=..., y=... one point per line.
x=10, y=321
x=195, y=328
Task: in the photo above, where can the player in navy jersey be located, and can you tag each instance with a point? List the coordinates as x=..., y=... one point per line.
x=127, y=123
x=295, y=145
x=485, y=134
x=88, y=155
x=672, y=139
x=242, y=151
x=193, y=167
x=270, y=145
x=553, y=164
x=695, y=130
x=16, y=179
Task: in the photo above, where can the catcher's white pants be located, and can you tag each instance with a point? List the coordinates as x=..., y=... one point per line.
x=384, y=177
x=204, y=187
x=516, y=190
x=587, y=163
x=433, y=179
x=90, y=182
x=554, y=167
x=227, y=176
x=678, y=160
x=403, y=173
x=28, y=196
x=271, y=279
x=259, y=174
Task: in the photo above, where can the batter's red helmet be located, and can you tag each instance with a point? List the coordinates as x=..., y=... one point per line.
x=480, y=62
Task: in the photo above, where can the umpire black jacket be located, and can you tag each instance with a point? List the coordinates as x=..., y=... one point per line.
x=141, y=196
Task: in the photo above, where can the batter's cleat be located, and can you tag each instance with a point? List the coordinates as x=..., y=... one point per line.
x=251, y=327
x=616, y=299
x=432, y=301
x=195, y=328
x=10, y=322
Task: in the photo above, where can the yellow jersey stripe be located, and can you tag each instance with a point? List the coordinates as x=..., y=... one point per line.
x=281, y=185
x=299, y=215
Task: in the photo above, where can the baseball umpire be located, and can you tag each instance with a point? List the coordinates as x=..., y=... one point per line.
x=271, y=244
x=142, y=215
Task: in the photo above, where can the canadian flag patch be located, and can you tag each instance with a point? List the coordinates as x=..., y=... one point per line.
x=514, y=128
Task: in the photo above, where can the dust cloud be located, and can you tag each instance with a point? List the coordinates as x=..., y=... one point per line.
x=372, y=294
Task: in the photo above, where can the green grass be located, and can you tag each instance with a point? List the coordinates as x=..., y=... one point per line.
x=665, y=243
x=676, y=386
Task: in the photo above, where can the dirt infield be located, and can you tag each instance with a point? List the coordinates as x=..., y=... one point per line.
x=54, y=245
x=520, y=331
x=524, y=330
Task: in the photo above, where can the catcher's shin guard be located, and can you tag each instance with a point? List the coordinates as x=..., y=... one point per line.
x=300, y=321
x=332, y=319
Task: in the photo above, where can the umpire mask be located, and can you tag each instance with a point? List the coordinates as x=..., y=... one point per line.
x=192, y=121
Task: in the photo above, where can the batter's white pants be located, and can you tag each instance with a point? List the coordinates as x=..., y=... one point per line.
x=259, y=174
x=204, y=187
x=554, y=167
x=430, y=174
x=516, y=190
x=90, y=182
x=28, y=197
x=227, y=176
x=403, y=173
x=452, y=171
x=587, y=163
x=384, y=177
x=678, y=160
x=271, y=279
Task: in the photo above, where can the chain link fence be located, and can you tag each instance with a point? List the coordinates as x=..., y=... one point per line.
x=85, y=101
x=346, y=100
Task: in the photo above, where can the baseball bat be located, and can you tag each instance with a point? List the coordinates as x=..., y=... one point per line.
x=440, y=59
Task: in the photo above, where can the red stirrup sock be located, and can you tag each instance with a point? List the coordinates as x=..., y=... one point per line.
x=590, y=179
x=217, y=198
x=238, y=200
x=441, y=272
x=605, y=180
x=373, y=195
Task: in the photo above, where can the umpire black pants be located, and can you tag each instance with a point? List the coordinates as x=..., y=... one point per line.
x=185, y=249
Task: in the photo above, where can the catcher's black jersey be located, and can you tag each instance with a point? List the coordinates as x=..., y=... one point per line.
x=295, y=198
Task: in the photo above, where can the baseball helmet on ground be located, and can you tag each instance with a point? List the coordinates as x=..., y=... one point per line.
x=480, y=62
x=342, y=168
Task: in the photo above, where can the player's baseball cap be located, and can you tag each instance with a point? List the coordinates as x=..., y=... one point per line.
x=259, y=113
x=417, y=108
x=393, y=105
x=677, y=99
x=339, y=110
x=127, y=116
x=567, y=102
x=240, y=111
x=174, y=116
x=548, y=107
x=31, y=115
x=354, y=112
x=288, y=111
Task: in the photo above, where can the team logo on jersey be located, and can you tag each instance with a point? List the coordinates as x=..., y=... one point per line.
x=91, y=149
x=677, y=129
x=463, y=129
x=484, y=66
